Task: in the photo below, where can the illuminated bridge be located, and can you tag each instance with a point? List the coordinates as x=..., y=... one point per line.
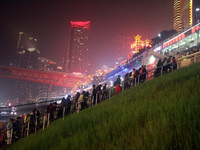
x=52, y=78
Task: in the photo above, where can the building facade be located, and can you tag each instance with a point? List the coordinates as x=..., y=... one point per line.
x=77, y=57
x=124, y=47
x=185, y=14
x=26, y=58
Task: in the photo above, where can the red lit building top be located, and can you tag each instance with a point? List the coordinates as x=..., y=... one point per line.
x=79, y=24
x=77, y=57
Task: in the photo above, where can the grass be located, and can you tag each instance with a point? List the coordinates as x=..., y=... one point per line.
x=163, y=113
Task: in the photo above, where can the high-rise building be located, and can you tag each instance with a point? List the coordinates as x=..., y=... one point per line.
x=184, y=13
x=177, y=16
x=27, y=58
x=124, y=47
x=77, y=59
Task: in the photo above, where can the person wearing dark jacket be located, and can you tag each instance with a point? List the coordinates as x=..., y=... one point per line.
x=68, y=104
x=144, y=73
x=158, y=68
x=60, y=108
x=85, y=98
x=64, y=102
x=51, y=110
x=94, y=94
x=99, y=94
x=118, y=81
x=164, y=63
x=105, y=92
x=126, y=81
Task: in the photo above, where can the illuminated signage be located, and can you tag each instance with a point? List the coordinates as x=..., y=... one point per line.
x=79, y=24
x=158, y=49
x=77, y=73
x=139, y=44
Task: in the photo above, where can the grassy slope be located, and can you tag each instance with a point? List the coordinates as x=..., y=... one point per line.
x=163, y=113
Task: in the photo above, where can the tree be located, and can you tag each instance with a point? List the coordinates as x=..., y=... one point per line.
x=163, y=36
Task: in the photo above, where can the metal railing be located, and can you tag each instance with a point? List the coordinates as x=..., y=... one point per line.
x=41, y=122
x=188, y=60
x=33, y=125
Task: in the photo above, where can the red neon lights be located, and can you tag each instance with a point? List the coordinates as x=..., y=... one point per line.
x=180, y=37
x=195, y=28
x=80, y=24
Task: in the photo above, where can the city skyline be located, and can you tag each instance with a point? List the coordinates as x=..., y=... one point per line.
x=50, y=23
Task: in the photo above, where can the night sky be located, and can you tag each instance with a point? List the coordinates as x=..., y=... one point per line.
x=49, y=22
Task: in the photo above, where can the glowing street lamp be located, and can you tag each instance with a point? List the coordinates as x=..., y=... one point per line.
x=31, y=49
x=197, y=14
x=20, y=55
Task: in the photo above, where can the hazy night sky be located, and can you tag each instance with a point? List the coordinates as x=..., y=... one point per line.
x=49, y=22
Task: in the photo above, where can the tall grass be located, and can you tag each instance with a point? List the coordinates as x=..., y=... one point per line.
x=163, y=113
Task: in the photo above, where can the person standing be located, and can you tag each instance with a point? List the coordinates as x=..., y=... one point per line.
x=68, y=104
x=132, y=78
x=105, y=92
x=117, y=85
x=99, y=94
x=75, y=100
x=144, y=73
x=158, y=68
x=94, y=94
x=9, y=129
x=37, y=116
x=81, y=100
x=51, y=111
x=85, y=99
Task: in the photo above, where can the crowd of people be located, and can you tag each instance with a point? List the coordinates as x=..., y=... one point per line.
x=166, y=65
x=30, y=123
x=135, y=76
x=21, y=126
x=138, y=76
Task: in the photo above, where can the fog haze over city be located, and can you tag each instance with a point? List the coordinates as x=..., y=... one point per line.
x=49, y=22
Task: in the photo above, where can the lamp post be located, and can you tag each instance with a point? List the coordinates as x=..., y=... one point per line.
x=31, y=49
x=19, y=52
x=19, y=39
x=20, y=55
x=197, y=15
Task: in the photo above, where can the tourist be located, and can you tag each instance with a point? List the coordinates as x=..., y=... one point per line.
x=9, y=130
x=117, y=85
x=99, y=94
x=105, y=92
x=68, y=104
x=94, y=94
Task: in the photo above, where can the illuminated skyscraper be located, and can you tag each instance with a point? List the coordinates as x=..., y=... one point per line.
x=77, y=59
x=177, y=16
x=184, y=13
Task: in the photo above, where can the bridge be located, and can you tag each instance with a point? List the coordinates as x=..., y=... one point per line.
x=52, y=78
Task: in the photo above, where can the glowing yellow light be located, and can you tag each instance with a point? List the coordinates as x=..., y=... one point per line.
x=139, y=44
